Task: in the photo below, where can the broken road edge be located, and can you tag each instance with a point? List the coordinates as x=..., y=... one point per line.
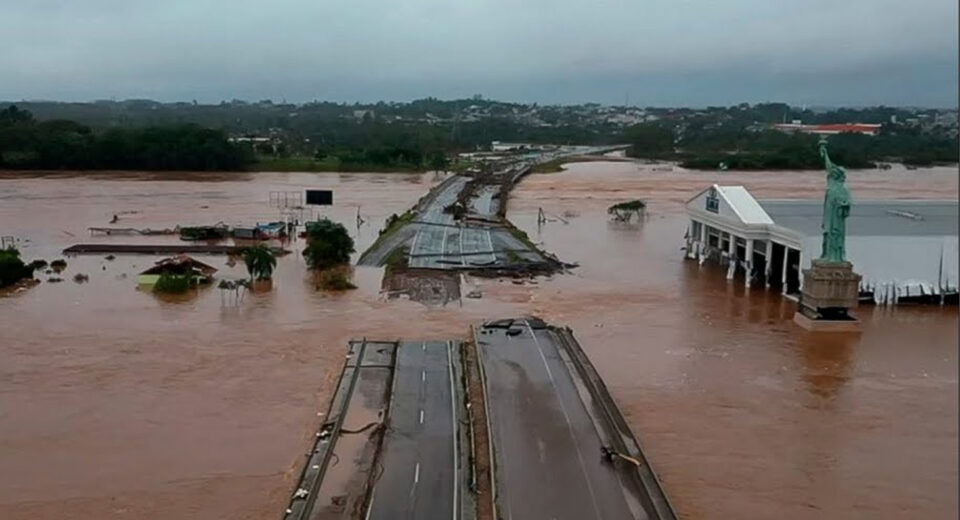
x=473, y=433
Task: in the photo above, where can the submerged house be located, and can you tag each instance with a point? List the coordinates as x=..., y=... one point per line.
x=180, y=265
x=193, y=233
x=904, y=249
x=270, y=230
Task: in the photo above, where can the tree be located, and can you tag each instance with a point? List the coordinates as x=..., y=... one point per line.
x=329, y=244
x=260, y=262
x=29, y=144
x=439, y=162
x=650, y=139
x=12, y=114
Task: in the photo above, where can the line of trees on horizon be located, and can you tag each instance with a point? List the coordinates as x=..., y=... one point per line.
x=28, y=144
x=744, y=148
x=424, y=134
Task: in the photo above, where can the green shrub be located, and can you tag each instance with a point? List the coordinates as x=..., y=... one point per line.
x=172, y=284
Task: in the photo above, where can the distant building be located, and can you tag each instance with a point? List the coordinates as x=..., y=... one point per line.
x=497, y=146
x=361, y=115
x=904, y=249
x=251, y=140
x=856, y=128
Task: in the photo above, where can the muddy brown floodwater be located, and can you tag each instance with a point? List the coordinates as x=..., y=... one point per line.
x=117, y=404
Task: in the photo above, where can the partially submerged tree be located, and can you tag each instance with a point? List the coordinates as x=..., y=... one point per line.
x=235, y=287
x=260, y=262
x=329, y=244
x=12, y=268
x=624, y=211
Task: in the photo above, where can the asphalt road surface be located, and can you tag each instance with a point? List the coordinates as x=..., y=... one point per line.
x=439, y=243
x=547, y=449
x=436, y=241
x=419, y=478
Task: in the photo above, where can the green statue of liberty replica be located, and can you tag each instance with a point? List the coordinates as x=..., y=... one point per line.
x=836, y=209
x=830, y=287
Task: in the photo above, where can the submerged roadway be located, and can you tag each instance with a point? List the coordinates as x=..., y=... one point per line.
x=420, y=457
x=547, y=448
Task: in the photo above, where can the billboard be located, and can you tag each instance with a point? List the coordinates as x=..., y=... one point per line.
x=319, y=197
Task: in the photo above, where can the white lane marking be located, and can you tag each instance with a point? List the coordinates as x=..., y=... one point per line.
x=463, y=261
x=566, y=416
x=421, y=416
x=423, y=376
x=456, y=438
x=416, y=474
x=443, y=245
x=413, y=246
x=493, y=256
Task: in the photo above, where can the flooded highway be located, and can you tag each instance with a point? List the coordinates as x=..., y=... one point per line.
x=116, y=403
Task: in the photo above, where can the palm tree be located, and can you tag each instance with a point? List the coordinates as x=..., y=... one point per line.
x=260, y=262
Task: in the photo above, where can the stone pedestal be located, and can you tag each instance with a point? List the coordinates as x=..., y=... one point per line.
x=830, y=290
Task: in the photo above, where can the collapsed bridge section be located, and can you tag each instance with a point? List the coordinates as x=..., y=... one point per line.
x=561, y=448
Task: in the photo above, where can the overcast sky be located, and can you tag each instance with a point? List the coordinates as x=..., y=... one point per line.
x=657, y=52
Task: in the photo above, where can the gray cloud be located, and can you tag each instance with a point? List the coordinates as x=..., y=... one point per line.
x=679, y=52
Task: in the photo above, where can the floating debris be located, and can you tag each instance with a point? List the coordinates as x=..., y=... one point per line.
x=58, y=265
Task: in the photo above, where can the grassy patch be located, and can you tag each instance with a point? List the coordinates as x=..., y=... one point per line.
x=296, y=163
x=393, y=224
x=556, y=165
x=397, y=259
x=521, y=236
x=463, y=165
x=332, y=163
x=514, y=257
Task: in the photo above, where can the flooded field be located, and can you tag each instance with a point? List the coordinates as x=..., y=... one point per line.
x=115, y=403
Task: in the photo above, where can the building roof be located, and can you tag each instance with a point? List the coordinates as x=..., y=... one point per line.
x=743, y=204
x=848, y=127
x=870, y=217
x=178, y=264
x=835, y=128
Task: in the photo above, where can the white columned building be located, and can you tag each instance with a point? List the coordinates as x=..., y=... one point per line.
x=903, y=248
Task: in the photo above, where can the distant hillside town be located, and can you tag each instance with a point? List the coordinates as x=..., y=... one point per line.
x=428, y=133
